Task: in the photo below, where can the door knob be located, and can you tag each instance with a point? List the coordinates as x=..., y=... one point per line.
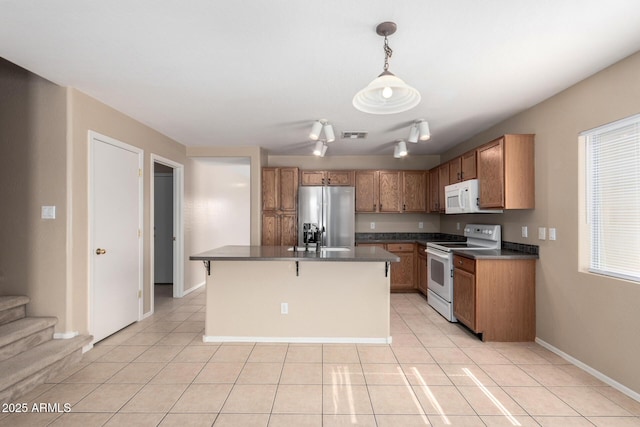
x=101, y=251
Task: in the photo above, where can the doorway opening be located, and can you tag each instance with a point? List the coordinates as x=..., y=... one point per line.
x=167, y=194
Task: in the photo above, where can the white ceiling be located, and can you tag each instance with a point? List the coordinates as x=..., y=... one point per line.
x=258, y=72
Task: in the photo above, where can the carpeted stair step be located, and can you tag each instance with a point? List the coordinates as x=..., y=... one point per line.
x=26, y=370
x=12, y=308
x=23, y=334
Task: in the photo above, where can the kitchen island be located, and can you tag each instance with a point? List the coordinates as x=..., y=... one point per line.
x=276, y=294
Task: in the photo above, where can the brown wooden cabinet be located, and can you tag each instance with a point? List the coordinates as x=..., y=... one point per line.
x=390, y=197
x=463, y=167
x=506, y=173
x=334, y=177
x=391, y=191
x=403, y=273
x=279, y=206
x=434, y=190
x=367, y=190
x=464, y=291
x=378, y=191
x=438, y=179
x=414, y=191
x=422, y=269
x=496, y=297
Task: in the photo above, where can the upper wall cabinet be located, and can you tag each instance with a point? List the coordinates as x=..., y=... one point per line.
x=438, y=179
x=337, y=177
x=506, y=173
x=414, y=191
x=390, y=191
x=279, y=206
x=463, y=167
x=280, y=189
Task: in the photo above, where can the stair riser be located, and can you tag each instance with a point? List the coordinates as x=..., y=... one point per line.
x=26, y=343
x=10, y=394
x=12, y=314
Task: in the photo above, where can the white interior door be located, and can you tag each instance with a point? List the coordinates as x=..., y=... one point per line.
x=116, y=255
x=163, y=228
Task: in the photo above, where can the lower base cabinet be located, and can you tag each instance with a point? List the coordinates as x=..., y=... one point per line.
x=423, y=276
x=403, y=273
x=496, y=297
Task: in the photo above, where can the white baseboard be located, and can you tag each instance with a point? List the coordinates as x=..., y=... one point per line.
x=599, y=375
x=147, y=314
x=65, y=335
x=297, y=340
x=198, y=286
x=87, y=348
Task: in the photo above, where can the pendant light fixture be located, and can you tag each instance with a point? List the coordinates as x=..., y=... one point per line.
x=387, y=94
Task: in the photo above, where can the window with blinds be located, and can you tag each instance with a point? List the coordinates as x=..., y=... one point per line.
x=613, y=198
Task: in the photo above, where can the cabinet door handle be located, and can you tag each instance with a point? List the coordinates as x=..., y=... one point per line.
x=404, y=207
x=374, y=207
x=380, y=209
x=329, y=181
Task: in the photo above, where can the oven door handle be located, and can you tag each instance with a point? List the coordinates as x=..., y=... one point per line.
x=439, y=254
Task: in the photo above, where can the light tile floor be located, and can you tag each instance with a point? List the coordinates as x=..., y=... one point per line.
x=159, y=372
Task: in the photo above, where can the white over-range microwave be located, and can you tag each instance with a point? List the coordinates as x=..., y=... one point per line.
x=462, y=198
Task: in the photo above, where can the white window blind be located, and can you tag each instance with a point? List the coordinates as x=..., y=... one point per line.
x=613, y=198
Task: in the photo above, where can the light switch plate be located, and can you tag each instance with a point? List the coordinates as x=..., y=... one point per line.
x=542, y=233
x=48, y=212
x=552, y=234
x=373, y=225
x=421, y=224
x=525, y=231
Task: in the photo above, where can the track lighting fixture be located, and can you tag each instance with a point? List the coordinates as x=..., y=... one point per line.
x=318, y=127
x=419, y=131
x=400, y=149
x=387, y=94
x=320, y=149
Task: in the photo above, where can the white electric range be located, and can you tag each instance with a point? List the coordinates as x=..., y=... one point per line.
x=440, y=264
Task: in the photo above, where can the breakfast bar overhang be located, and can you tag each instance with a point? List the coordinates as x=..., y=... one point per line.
x=278, y=294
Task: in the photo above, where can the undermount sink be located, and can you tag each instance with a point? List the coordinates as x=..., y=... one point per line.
x=322, y=249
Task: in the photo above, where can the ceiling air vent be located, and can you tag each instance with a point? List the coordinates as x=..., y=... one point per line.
x=354, y=135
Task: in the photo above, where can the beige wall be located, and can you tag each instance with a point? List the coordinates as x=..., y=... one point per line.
x=405, y=223
x=86, y=113
x=592, y=318
x=32, y=174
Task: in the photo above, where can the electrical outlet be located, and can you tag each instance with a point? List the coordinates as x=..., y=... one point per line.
x=48, y=212
x=373, y=225
x=542, y=233
x=525, y=231
x=552, y=234
x=457, y=226
x=284, y=308
x=421, y=225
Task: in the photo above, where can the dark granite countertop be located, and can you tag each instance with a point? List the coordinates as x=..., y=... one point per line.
x=495, y=254
x=282, y=253
x=509, y=250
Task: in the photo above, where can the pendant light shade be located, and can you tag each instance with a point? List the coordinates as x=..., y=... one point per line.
x=387, y=94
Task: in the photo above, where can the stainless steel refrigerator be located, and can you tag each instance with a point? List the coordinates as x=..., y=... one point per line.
x=326, y=216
